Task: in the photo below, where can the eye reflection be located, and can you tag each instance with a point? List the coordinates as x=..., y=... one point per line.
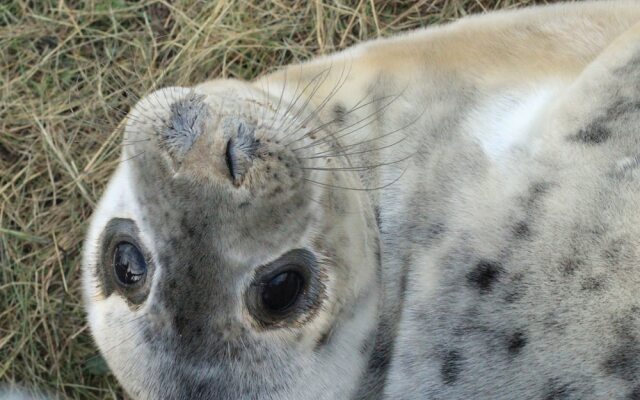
x=129, y=264
x=282, y=291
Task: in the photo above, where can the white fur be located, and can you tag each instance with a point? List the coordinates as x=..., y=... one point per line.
x=504, y=121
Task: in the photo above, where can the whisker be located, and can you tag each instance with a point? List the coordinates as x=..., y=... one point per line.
x=342, y=79
x=354, y=153
x=393, y=132
x=284, y=85
x=358, y=189
x=373, y=114
x=362, y=167
x=355, y=108
x=131, y=158
x=291, y=120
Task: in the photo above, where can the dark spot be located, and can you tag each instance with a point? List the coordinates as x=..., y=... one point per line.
x=435, y=230
x=339, y=113
x=634, y=394
x=595, y=133
x=376, y=211
x=622, y=107
x=521, y=230
x=191, y=232
x=536, y=191
x=557, y=391
x=484, y=275
x=451, y=367
x=614, y=250
x=180, y=322
x=568, y=266
x=403, y=281
x=199, y=391
x=623, y=362
x=379, y=360
x=513, y=296
x=516, y=342
x=405, y=264
x=592, y=283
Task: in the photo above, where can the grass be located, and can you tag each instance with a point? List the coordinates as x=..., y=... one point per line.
x=69, y=71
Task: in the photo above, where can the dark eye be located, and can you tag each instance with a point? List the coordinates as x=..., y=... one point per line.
x=129, y=265
x=282, y=291
x=286, y=291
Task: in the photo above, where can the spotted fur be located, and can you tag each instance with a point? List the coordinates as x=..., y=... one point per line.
x=470, y=193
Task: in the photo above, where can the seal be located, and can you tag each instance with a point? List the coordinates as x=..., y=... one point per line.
x=450, y=213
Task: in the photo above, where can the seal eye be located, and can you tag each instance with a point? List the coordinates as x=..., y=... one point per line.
x=287, y=291
x=129, y=264
x=126, y=267
x=282, y=291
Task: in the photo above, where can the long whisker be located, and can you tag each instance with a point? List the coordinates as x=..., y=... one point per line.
x=355, y=152
x=342, y=79
x=298, y=96
x=361, y=167
x=357, y=189
x=371, y=115
x=293, y=119
x=393, y=132
x=355, y=108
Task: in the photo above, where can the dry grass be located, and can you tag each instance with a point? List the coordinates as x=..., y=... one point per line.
x=69, y=71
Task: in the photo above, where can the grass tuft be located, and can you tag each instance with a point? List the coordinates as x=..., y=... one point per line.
x=69, y=72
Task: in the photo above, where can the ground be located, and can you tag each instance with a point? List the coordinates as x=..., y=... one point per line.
x=69, y=72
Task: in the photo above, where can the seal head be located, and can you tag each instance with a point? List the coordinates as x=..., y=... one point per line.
x=222, y=262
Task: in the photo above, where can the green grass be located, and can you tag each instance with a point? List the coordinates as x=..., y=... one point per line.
x=69, y=71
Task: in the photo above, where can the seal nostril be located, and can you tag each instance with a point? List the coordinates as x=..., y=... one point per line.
x=229, y=159
x=241, y=148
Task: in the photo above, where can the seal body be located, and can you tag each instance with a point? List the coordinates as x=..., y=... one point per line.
x=449, y=214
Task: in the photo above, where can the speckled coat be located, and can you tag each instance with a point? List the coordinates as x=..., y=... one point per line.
x=470, y=195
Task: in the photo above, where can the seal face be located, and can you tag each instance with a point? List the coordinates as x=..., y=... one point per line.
x=449, y=214
x=209, y=257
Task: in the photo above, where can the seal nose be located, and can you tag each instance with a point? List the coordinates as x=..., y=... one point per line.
x=241, y=147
